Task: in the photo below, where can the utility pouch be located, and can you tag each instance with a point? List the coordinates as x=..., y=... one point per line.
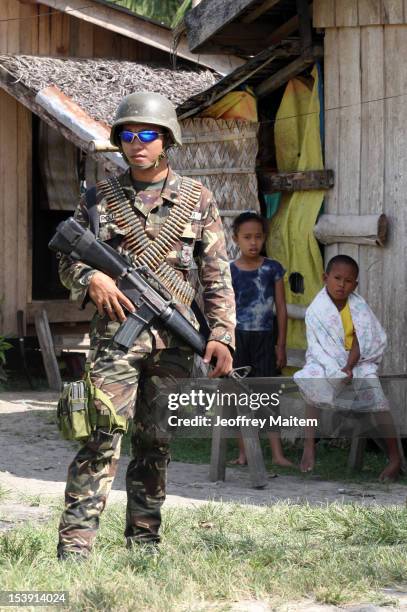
x=77, y=415
x=73, y=416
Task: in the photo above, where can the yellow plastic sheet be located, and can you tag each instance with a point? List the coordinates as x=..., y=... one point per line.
x=291, y=240
x=234, y=105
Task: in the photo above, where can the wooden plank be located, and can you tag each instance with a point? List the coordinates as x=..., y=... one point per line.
x=346, y=13
x=104, y=43
x=285, y=74
x=72, y=341
x=139, y=29
x=371, y=282
x=84, y=47
x=24, y=195
x=210, y=17
x=3, y=157
x=47, y=350
x=125, y=48
x=271, y=182
x=392, y=11
x=10, y=204
x=394, y=315
x=59, y=41
x=332, y=123
x=370, y=12
x=27, y=33
x=3, y=26
x=350, y=128
x=13, y=29
x=44, y=30
x=324, y=14
x=60, y=311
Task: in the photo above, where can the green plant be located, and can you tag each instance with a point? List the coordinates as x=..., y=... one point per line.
x=163, y=12
x=4, y=346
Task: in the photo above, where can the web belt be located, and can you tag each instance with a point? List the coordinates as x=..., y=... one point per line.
x=152, y=253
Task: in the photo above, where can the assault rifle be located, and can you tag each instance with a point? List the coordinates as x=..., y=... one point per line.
x=139, y=284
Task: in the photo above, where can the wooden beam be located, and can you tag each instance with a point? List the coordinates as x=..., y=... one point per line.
x=59, y=311
x=265, y=6
x=288, y=72
x=127, y=24
x=200, y=101
x=285, y=30
x=270, y=182
x=211, y=16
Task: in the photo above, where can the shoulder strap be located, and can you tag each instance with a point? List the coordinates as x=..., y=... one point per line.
x=93, y=211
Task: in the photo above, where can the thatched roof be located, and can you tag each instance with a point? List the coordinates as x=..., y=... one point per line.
x=98, y=85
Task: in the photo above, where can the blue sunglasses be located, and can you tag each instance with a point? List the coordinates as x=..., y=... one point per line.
x=143, y=136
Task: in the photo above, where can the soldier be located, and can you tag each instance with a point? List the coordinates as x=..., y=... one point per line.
x=129, y=213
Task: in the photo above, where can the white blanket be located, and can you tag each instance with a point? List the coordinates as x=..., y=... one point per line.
x=322, y=381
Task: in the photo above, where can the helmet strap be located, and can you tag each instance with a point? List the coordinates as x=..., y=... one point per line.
x=162, y=156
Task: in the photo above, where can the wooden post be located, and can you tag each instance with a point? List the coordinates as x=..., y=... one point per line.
x=352, y=229
x=47, y=349
x=255, y=462
x=217, y=468
x=357, y=452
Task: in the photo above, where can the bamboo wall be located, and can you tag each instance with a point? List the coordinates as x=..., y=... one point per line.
x=366, y=135
x=31, y=29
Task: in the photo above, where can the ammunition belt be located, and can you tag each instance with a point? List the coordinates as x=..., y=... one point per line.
x=152, y=253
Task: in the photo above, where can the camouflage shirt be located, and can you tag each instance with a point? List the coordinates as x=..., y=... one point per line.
x=201, y=251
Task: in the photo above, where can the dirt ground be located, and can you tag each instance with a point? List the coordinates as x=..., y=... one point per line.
x=34, y=460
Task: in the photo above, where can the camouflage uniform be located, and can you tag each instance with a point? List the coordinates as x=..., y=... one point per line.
x=137, y=373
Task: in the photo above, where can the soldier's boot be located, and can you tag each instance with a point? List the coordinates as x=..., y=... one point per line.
x=90, y=478
x=145, y=483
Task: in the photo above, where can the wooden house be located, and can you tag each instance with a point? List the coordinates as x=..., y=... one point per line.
x=63, y=69
x=361, y=44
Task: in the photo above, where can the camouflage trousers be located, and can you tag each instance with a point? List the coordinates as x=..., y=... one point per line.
x=133, y=381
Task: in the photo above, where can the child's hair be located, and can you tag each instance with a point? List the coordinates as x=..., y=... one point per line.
x=342, y=259
x=249, y=216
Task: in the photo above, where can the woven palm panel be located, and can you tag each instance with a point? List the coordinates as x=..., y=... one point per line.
x=232, y=248
x=222, y=155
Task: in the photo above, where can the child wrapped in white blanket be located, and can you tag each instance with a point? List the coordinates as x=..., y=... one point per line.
x=345, y=345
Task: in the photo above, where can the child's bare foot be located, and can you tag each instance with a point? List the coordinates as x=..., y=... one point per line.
x=238, y=461
x=308, y=460
x=283, y=462
x=391, y=471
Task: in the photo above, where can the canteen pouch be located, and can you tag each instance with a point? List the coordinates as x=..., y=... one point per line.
x=77, y=415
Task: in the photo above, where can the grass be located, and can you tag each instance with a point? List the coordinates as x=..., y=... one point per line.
x=4, y=493
x=331, y=462
x=221, y=553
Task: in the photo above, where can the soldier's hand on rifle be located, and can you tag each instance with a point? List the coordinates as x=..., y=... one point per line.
x=108, y=298
x=219, y=352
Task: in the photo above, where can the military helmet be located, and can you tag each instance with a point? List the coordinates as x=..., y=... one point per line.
x=146, y=107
